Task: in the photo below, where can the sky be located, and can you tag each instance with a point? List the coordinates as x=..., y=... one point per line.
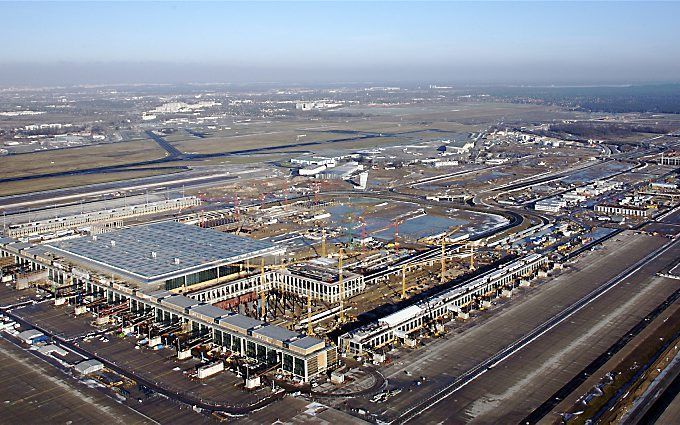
x=329, y=42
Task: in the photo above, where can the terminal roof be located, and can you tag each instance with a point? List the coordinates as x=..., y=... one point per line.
x=162, y=250
x=240, y=321
x=306, y=342
x=209, y=311
x=180, y=301
x=275, y=332
x=158, y=295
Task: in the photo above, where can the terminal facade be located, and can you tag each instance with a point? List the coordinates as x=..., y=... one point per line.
x=76, y=267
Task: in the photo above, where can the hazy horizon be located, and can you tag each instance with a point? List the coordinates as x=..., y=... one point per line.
x=477, y=43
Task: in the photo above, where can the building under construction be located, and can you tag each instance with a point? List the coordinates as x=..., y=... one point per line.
x=97, y=219
x=402, y=324
x=130, y=273
x=321, y=279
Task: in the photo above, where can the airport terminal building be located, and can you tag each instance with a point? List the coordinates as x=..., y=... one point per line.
x=402, y=324
x=145, y=266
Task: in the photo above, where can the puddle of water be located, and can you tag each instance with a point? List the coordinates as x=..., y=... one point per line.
x=596, y=173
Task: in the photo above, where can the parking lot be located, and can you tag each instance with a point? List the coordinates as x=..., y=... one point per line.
x=158, y=366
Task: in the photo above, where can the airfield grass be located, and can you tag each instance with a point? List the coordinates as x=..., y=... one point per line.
x=28, y=186
x=79, y=158
x=395, y=133
x=401, y=125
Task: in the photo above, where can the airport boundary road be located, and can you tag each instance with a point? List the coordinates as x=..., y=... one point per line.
x=536, y=333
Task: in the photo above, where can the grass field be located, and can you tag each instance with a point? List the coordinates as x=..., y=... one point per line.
x=14, y=188
x=273, y=134
x=398, y=124
x=79, y=158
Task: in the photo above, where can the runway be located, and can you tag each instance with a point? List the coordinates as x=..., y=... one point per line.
x=443, y=360
x=511, y=390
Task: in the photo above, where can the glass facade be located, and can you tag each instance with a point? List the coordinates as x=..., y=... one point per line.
x=299, y=367
x=199, y=277
x=171, y=284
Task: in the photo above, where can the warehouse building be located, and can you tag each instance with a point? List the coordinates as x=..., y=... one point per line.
x=111, y=216
x=89, y=366
x=625, y=210
x=32, y=336
x=550, y=205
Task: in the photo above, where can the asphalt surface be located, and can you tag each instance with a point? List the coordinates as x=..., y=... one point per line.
x=510, y=390
x=74, y=195
x=31, y=390
x=443, y=360
x=159, y=370
x=669, y=401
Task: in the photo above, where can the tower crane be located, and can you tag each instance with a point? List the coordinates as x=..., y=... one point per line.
x=341, y=285
x=443, y=253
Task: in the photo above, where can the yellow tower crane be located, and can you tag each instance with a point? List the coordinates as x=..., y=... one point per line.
x=472, y=256
x=263, y=297
x=443, y=272
x=310, y=328
x=443, y=254
x=341, y=285
x=403, y=273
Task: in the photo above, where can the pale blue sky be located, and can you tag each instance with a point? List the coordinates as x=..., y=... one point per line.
x=361, y=41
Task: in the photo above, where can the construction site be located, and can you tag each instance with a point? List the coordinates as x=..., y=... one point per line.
x=238, y=287
x=332, y=276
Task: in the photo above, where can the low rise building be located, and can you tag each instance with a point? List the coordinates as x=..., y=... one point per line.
x=111, y=216
x=87, y=367
x=32, y=336
x=550, y=205
x=670, y=158
x=625, y=210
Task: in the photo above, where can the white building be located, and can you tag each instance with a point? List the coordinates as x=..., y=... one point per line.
x=87, y=367
x=315, y=160
x=312, y=170
x=670, y=159
x=624, y=210
x=550, y=205
x=320, y=279
x=341, y=172
x=440, y=164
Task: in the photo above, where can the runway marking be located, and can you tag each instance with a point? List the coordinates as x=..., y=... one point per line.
x=540, y=330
